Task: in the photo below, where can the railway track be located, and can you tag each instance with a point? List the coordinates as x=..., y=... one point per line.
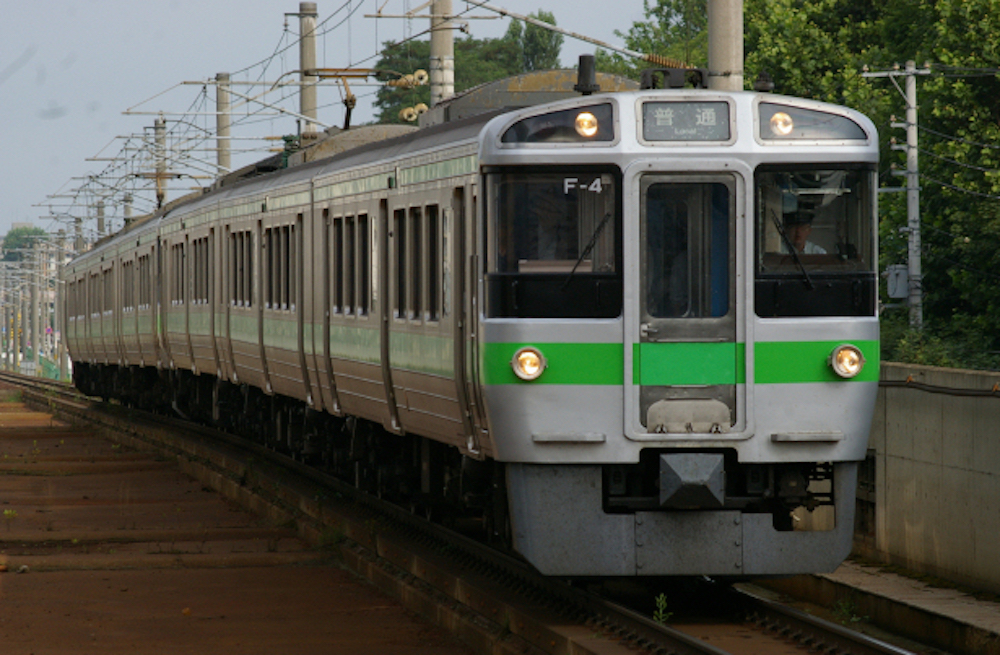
x=490, y=600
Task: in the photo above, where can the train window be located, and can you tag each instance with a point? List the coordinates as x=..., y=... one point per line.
x=592, y=123
x=415, y=262
x=241, y=258
x=363, y=264
x=399, y=234
x=432, y=263
x=337, y=275
x=128, y=287
x=554, y=243
x=199, y=249
x=145, y=280
x=686, y=234
x=347, y=258
x=281, y=264
x=177, y=279
x=814, y=241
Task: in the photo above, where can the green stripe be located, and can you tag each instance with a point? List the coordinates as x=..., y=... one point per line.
x=685, y=364
x=661, y=364
x=568, y=363
x=780, y=362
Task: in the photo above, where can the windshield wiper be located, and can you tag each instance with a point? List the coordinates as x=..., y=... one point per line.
x=586, y=251
x=795, y=254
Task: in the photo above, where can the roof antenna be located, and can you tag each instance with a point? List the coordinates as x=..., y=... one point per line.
x=586, y=76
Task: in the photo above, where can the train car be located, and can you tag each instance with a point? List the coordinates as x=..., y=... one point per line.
x=634, y=332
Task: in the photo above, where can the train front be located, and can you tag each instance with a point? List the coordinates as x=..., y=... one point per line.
x=679, y=339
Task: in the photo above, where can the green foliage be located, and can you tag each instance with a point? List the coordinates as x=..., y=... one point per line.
x=539, y=48
x=661, y=615
x=476, y=61
x=677, y=29
x=18, y=240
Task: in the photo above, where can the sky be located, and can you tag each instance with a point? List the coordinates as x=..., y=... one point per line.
x=70, y=68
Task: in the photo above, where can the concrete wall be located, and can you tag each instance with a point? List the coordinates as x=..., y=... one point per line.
x=937, y=474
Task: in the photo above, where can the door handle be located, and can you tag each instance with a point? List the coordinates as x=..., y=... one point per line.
x=646, y=330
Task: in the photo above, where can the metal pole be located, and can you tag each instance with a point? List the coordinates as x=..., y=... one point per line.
x=916, y=297
x=59, y=331
x=5, y=316
x=18, y=313
x=725, y=45
x=160, y=151
x=442, y=52
x=307, y=62
x=34, y=291
x=222, y=123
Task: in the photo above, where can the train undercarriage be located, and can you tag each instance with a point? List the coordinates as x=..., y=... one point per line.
x=419, y=474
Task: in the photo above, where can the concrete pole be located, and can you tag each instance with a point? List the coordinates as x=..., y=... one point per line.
x=307, y=62
x=33, y=303
x=18, y=315
x=223, y=120
x=442, y=52
x=916, y=295
x=59, y=331
x=100, y=219
x=78, y=227
x=725, y=45
x=160, y=152
x=126, y=213
x=5, y=316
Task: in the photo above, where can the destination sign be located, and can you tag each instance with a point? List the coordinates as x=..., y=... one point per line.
x=685, y=121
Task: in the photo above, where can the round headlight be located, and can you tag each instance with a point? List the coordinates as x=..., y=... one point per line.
x=528, y=363
x=586, y=124
x=847, y=361
x=782, y=124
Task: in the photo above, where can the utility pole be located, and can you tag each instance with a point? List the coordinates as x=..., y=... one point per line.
x=307, y=63
x=223, y=121
x=725, y=45
x=915, y=296
x=160, y=152
x=442, y=52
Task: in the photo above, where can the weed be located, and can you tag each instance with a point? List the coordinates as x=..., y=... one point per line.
x=8, y=517
x=846, y=610
x=661, y=615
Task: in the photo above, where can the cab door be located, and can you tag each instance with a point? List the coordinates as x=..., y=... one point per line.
x=685, y=351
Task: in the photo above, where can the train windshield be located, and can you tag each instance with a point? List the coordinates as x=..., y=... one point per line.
x=553, y=243
x=814, y=241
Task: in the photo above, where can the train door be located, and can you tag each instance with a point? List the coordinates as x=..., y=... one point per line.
x=685, y=351
x=463, y=218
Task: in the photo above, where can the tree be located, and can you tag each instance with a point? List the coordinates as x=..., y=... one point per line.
x=18, y=240
x=476, y=61
x=539, y=48
x=677, y=29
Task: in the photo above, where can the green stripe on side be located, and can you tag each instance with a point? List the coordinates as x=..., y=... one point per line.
x=568, y=363
x=778, y=362
x=685, y=364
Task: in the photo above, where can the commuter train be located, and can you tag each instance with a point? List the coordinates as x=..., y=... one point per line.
x=631, y=332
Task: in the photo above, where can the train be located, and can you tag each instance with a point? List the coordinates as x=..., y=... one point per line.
x=628, y=329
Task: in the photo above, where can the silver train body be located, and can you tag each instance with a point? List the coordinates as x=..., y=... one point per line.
x=652, y=312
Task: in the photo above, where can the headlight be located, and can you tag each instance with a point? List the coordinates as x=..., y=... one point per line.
x=847, y=361
x=528, y=363
x=586, y=124
x=782, y=124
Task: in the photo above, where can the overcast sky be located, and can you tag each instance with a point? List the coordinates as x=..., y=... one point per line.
x=68, y=69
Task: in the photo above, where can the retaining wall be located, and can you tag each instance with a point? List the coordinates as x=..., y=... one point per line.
x=935, y=490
